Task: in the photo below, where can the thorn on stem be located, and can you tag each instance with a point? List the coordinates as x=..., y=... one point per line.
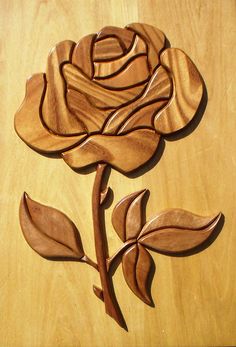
x=103, y=195
x=98, y=292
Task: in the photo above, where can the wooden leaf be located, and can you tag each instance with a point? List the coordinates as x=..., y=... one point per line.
x=137, y=265
x=48, y=231
x=127, y=216
x=176, y=230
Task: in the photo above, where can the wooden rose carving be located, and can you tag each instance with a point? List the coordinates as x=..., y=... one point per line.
x=107, y=100
x=113, y=92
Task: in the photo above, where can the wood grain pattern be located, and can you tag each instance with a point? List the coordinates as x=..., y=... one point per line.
x=110, y=149
x=126, y=226
x=158, y=88
x=125, y=96
x=99, y=97
x=81, y=56
x=137, y=264
x=107, y=49
x=28, y=118
x=55, y=237
x=42, y=303
x=49, y=232
x=136, y=72
x=125, y=37
x=106, y=69
x=154, y=38
x=181, y=108
x=55, y=113
x=181, y=232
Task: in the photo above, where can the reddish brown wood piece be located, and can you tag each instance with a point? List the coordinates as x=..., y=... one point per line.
x=137, y=265
x=48, y=231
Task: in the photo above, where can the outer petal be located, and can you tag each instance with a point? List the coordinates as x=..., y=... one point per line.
x=82, y=55
x=124, y=152
x=187, y=92
x=154, y=38
x=28, y=123
x=55, y=113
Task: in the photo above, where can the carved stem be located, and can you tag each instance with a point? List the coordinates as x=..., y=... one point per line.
x=111, y=305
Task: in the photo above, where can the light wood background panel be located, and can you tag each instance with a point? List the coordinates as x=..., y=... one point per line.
x=51, y=304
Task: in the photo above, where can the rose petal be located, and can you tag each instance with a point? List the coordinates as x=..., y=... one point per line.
x=82, y=55
x=187, y=92
x=158, y=88
x=135, y=73
x=28, y=123
x=106, y=49
x=124, y=152
x=98, y=96
x=92, y=117
x=55, y=113
x=154, y=38
x=143, y=117
x=124, y=36
x=107, y=69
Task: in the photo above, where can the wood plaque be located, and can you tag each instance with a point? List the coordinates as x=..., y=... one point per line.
x=106, y=101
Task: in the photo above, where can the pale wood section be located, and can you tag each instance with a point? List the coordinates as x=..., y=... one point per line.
x=51, y=304
x=187, y=92
x=105, y=69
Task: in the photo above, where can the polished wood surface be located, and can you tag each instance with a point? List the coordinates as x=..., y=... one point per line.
x=195, y=296
x=134, y=96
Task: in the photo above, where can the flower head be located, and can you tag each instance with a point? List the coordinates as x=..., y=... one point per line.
x=109, y=98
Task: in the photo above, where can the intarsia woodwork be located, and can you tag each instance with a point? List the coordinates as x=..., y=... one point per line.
x=107, y=101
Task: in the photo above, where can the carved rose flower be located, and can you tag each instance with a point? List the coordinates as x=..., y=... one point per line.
x=109, y=98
